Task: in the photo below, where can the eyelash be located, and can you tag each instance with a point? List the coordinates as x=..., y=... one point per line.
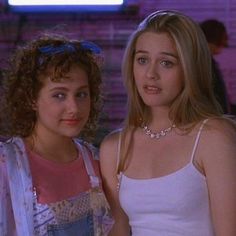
x=165, y=63
x=141, y=60
x=79, y=95
x=59, y=95
x=82, y=94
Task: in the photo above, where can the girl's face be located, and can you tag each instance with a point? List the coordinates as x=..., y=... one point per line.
x=157, y=70
x=63, y=107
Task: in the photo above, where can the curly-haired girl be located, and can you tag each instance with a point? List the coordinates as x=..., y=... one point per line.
x=49, y=179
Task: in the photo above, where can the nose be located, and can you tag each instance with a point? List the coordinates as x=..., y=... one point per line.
x=152, y=71
x=72, y=105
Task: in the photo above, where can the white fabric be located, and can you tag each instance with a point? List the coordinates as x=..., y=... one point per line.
x=173, y=205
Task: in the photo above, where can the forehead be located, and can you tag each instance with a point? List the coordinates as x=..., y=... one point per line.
x=58, y=73
x=152, y=41
x=74, y=74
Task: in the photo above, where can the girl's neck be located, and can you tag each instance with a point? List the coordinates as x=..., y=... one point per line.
x=60, y=149
x=160, y=119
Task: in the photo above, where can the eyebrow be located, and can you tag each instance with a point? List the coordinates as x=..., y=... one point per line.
x=163, y=53
x=65, y=89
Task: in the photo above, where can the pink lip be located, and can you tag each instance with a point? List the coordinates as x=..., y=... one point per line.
x=150, y=89
x=71, y=122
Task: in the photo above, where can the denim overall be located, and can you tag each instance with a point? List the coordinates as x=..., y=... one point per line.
x=81, y=227
x=86, y=215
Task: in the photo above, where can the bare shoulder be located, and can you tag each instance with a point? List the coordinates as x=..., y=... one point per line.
x=220, y=131
x=111, y=138
x=218, y=141
x=110, y=142
x=109, y=150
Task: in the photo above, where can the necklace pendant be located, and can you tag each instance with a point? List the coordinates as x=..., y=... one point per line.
x=157, y=135
x=163, y=133
x=152, y=135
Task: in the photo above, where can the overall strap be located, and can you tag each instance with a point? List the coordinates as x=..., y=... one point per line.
x=94, y=180
x=20, y=183
x=197, y=139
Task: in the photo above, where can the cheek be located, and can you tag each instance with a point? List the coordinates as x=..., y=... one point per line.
x=180, y=82
x=46, y=107
x=138, y=75
x=47, y=113
x=85, y=106
x=179, y=79
x=87, y=109
x=138, y=84
x=179, y=85
x=138, y=70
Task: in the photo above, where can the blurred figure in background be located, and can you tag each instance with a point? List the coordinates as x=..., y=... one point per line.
x=217, y=38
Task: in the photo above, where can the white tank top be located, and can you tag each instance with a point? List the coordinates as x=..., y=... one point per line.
x=173, y=205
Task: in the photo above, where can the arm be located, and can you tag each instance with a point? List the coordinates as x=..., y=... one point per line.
x=7, y=224
x=108, y=161
x=219, y=162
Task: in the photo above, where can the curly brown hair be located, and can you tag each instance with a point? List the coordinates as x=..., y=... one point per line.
x=22, y=84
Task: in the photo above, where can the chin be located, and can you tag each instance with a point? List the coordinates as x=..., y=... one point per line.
x=153, y=103
x=72, y=134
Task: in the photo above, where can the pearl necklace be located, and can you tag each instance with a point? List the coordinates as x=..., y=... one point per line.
x=156, y=135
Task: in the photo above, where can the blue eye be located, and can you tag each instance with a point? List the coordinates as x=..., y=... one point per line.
x=166, y=63
x=142, y=60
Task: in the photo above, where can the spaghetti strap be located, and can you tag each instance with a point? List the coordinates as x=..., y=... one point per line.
x=118, y=151
x=197, y=139
x=119, y=174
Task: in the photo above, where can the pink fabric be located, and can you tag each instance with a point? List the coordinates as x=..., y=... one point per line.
x=72, y=177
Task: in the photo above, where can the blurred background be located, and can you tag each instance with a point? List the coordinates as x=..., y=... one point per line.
x=110, y=29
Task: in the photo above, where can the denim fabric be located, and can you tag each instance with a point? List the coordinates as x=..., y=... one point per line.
x=81, y=227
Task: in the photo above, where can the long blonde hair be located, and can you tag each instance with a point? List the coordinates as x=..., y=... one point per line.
x=197, y=101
